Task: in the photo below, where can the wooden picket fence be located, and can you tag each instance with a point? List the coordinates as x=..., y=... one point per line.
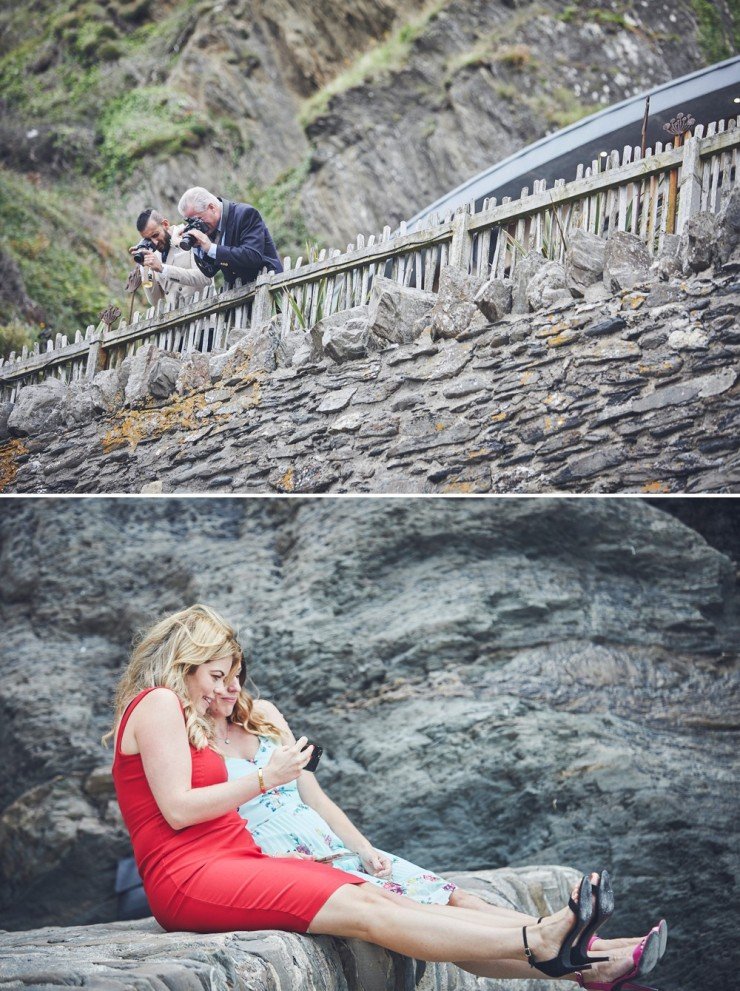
x=651, y=196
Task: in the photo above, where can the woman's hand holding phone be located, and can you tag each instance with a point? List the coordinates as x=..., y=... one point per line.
x=286, y=763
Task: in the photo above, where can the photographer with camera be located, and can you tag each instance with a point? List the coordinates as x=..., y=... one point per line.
x=228, y=237
x=174, y=276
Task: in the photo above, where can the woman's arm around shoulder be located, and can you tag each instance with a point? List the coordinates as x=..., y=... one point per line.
x=270, y=712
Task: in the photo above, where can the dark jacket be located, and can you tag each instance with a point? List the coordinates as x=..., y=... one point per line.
x=245, y=248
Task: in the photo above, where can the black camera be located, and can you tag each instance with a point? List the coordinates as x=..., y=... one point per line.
x=194, y=224
x=138, y=250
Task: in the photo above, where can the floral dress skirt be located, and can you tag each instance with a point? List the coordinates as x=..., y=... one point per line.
x=281, y=823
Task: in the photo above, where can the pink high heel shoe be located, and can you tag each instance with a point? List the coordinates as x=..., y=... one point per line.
x=661, y=929
x=644, y=958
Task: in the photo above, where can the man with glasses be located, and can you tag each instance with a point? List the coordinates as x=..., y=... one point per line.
x=174, y=277
x=236, y=241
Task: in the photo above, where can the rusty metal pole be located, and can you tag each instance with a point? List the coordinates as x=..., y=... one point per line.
x=645, y=124
x=678, y=127
x=643, y=144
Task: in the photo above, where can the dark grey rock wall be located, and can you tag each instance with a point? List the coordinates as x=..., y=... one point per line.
x=496, y=682
x=637, y=392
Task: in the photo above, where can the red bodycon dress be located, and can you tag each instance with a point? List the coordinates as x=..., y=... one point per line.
x=212, y=877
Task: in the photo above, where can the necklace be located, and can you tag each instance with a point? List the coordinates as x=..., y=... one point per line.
x=226, y=738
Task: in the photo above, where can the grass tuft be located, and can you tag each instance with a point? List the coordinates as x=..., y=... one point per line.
x=149, y=121
x=390, y=54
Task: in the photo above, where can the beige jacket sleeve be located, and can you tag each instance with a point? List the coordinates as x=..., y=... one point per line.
x=155, y=292
x=181, y=268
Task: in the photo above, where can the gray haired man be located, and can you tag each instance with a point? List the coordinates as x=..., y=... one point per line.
x=235, y=241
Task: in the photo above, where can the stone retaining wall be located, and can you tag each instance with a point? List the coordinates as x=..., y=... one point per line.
x=605, y=374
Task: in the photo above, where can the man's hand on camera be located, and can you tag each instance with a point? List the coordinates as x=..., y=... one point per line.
x=203, y=240
x=153, y=261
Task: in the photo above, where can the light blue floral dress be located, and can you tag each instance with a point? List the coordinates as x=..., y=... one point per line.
x=282, y=823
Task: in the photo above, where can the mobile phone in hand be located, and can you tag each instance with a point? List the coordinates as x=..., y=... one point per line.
x=332, y=856
x=315, y=756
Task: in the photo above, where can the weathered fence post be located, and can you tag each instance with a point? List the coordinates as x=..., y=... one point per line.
x=461, y=246
x=95, y=358
x=689, y=193
x=262, y=303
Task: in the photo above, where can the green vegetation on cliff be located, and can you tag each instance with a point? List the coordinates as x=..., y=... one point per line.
x=147, y=122
x=69, y=267
x=712, y=37
x=111, y=105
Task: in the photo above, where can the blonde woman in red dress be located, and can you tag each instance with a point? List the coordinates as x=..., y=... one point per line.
x=203, y=872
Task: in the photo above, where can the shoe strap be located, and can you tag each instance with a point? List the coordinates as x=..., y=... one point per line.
x=527, y=952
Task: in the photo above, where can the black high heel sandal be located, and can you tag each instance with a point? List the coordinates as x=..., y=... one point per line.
x=604, y=907
x=562, y=964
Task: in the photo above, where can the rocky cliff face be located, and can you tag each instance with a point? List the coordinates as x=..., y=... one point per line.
x=333, y=119
x=509, y=682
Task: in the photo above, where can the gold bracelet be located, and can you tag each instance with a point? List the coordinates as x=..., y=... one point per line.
x=261, y=778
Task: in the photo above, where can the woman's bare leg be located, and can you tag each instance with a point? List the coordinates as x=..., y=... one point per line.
x=512, y=920
x=502, y=916
x=366, y=913
x=438, y=933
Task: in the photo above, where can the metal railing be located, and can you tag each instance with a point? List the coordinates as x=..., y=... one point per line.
x=651, y=196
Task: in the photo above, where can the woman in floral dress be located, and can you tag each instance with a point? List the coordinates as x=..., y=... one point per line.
x=299, y=819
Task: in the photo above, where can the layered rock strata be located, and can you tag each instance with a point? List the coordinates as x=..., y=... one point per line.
x=495, y=682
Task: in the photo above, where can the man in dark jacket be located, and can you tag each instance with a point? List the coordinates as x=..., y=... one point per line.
x=237, y=241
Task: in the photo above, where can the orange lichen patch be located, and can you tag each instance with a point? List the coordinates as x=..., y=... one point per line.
x=665, y=366
x=635, y=300
x=554, y=327
x=287, y=482
x=498, y=417
x=9, y=453
x=254, y=397
x=552, y=423
x=461, y=487
x=655, y=487
x=558, y=340
x=439, y=426
x=526, y=377
x=479, y=455
x=140, y=423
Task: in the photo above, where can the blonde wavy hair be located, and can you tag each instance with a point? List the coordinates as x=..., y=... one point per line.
x=244, y=715
x=166, y=654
